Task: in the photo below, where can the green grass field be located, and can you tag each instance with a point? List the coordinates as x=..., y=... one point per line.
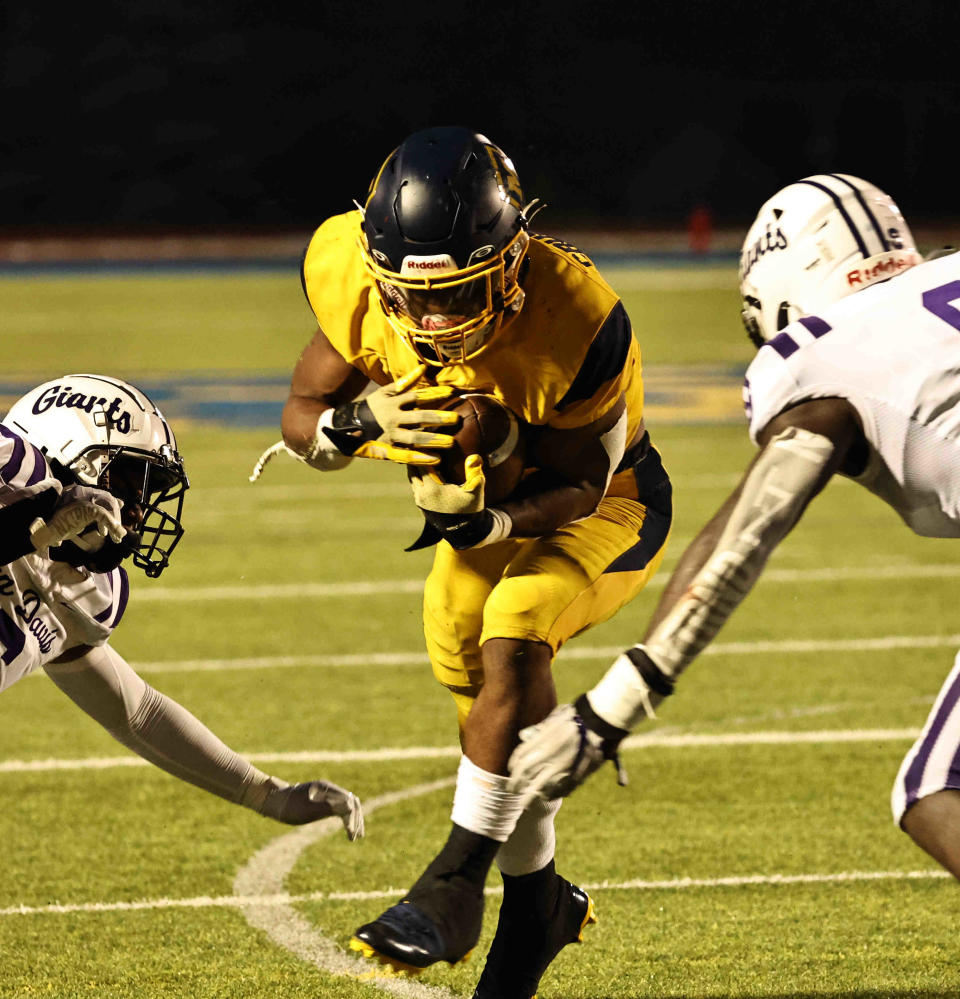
x=752, y=853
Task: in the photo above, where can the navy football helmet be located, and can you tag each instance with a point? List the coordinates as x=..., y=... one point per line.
x=444, y=235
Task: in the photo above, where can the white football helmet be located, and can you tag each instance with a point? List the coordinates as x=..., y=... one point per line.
x=817, y=241
x=103, y=432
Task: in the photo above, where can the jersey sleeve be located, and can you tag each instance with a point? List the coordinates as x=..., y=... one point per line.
x=608, y=369
x=769, y=388
x=28, y=489
x=24, y=472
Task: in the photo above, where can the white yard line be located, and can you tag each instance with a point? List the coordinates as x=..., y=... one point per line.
x=392, y=754
x=394, y=659
x=286, y=591
x=324, y=489
x=284, y=898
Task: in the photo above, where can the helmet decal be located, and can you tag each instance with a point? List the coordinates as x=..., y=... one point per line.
x=814, y=242
x=443, y=234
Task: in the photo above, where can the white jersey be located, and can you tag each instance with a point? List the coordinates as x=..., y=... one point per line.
x=893, y=352
x=47, y=607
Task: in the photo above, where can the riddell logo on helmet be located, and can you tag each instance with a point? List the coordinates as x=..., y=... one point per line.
x=437, y=264
x=881, y=269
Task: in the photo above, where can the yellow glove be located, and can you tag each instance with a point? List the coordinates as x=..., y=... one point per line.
x=388, y=424
x=455, y=513
x=433, y=495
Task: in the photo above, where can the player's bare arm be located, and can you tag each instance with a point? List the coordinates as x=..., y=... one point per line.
x=574, y=469
x=321, y=380
x=578, y=464
x=325, y=424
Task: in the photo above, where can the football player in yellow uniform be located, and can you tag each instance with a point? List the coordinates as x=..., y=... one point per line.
x=436, y=285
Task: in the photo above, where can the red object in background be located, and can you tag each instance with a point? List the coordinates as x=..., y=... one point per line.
x=700, y=229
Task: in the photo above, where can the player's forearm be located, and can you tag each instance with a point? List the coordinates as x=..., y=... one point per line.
x=547, y=511
x=298, y=423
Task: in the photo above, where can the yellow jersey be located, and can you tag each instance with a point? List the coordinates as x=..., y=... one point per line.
x=562, y=361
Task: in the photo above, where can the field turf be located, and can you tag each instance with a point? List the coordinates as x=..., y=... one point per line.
x=752, y=853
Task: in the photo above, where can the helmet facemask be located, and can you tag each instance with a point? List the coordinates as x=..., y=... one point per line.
x=449, y=314
x=150, y=488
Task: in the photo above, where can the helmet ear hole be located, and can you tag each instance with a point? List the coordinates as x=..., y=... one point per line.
x=783, y=315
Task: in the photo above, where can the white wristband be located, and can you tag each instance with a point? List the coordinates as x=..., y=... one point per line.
x=622, y=698
x=323, y=453
x=502, y=526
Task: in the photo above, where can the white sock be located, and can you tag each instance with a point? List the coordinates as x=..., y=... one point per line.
x=482, y=803
x=531, y=845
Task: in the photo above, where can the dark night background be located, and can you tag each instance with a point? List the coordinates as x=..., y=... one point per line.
x=256, y=116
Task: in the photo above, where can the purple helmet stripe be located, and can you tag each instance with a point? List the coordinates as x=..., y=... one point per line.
x=855, y=232
x=9, y=471
x=815, y=325
x=866, y=210
x=914, y=775
x=783, y=344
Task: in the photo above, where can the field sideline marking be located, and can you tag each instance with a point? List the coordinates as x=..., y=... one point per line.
x=271, y=591
x=394, y=754
x=354, y=659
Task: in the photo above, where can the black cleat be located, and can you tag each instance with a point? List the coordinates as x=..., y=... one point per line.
x=428, y=926
x=524, y=945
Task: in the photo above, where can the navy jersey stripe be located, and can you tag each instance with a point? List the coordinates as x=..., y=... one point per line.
x=836, y=200
x=653, y=536
x=863, y=204
x=605, y=358
x=303, y=275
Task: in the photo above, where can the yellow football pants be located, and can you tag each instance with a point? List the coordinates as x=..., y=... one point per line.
x=545, y=589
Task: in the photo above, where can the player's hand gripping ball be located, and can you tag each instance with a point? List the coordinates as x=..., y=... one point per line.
x=489, y=429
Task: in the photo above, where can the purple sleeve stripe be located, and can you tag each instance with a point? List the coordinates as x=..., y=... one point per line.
x=783, y=344
x=914, y=775
x=40, y=470
x=815, y=325
x=12, y=467
x=124, y=595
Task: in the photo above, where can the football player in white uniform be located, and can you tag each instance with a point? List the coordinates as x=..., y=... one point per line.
x=858, y=374
x=90, y=475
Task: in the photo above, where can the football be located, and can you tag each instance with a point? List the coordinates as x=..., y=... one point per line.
x=489, y=429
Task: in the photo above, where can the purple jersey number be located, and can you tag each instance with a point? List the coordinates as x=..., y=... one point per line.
x=937, y=300
x=12, y=639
